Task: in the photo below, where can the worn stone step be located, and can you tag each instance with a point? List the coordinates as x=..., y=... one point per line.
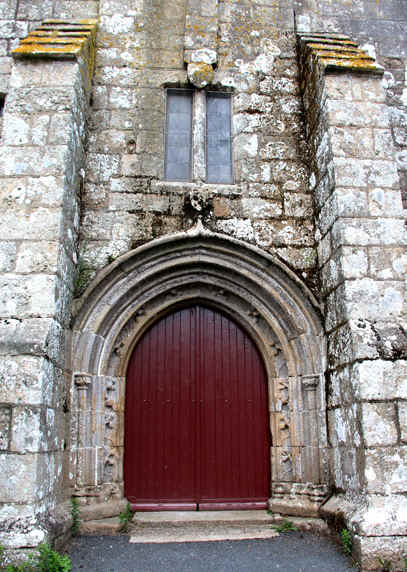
x=180, y=518
x=180, y=526
x=200, y=533
x=104, y=526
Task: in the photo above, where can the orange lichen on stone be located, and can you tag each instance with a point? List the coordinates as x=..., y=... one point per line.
x=60, y=39
x=334, y=51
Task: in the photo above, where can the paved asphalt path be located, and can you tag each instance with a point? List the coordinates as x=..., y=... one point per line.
x=290, y=552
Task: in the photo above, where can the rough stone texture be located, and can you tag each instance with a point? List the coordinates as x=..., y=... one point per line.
x=319, y=184
x=357, y=194
x=40, y=180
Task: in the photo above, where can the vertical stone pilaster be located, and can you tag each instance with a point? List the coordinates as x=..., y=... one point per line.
x=362, y=253
x=41, y=162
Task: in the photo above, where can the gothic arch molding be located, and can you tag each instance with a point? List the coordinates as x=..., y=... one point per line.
x=250, y=286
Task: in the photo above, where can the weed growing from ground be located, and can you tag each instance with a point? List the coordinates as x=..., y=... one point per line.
x=46, y=560
x=126, y=517
x=285, y=526
x=76, y=516
x=347, y=541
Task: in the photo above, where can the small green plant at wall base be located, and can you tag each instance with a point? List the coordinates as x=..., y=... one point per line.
x=347, y=541
x=52, y=561
x=285, y=526
x=47, y=560
x=2, y=550
x=126, y=517
x=76, y=516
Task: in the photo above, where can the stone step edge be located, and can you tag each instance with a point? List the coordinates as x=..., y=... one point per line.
x=113, y=525
x=201, y=534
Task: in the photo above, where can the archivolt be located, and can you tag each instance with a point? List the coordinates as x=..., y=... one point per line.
x=254, y=288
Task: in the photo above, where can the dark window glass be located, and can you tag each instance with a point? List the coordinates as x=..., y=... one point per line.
x=218, y=138
x=179, y=135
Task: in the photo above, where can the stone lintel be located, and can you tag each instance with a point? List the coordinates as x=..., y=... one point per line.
x=335, y=52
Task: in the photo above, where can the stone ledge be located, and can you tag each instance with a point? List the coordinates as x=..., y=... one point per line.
x=58, y=39
x=62, y=40
x=336, y=52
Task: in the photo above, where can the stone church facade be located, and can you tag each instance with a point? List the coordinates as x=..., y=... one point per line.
x=288, y=217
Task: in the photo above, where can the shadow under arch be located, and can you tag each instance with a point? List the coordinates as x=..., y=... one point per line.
x=259, y=293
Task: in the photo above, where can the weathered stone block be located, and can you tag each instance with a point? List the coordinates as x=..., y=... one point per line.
x=386, y=470
x=380, y=379
x=378, y=422
x=16, y=129
x=40, y=73
x=402, y=412
x=29, y=192
x=354, y=262
x=347, y=142
x=7, y=256
x=130, y=165
x=368, y=549
x=18, y=474
x=385, y=202
x=122, y=98
x=26, y=433
x=301, y=258
x=74, y=9
x=387, y=263
x=27, y=296
x=261, y=208
x=367, y=88
x=278, y=233
x=26, y=337
x=355, y=114
x=365, y=232
x=338, y=87
x=383, y=143
x=101, y=167
x=126, y=201
x=298, y=205
x=16, y=161
x=5, y=422
x=22, y=379
x=37, y=257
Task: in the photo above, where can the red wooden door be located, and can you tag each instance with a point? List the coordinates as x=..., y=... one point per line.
x=196, y=430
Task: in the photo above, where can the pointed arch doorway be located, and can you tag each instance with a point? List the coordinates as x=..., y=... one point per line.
x=196, y=424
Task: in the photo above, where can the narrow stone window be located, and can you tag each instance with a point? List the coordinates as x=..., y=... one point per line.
x=178, y=146
x=218, y=138
x=198, y=136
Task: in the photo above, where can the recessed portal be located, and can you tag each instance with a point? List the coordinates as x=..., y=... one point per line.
x=196, y=428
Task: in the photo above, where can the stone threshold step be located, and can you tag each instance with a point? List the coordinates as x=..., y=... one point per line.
x=200, y=533
x=210, y=517
x=209, y=525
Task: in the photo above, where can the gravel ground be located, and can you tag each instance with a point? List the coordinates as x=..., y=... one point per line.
x=290, y=552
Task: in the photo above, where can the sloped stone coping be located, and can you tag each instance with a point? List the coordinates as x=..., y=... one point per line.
x=59, y=39
x=337, y=52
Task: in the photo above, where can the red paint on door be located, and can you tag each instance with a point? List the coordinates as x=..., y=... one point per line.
x=196, y=429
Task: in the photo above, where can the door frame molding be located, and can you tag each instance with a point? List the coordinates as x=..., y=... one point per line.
x=254, y=289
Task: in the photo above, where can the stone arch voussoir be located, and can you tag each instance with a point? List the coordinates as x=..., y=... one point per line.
x=252, y=287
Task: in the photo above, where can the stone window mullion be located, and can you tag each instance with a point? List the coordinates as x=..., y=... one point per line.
x=199, y=137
